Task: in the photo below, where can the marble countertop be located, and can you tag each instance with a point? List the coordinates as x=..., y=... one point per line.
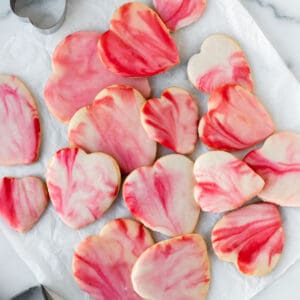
x=280, y=21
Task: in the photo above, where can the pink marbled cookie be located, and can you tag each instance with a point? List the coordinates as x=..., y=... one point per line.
x=174, y=269
x=138, y=43
x=224, y=182
x=251, y=237
x=161, y=196
x=22, y=201
x=278, y=163
x=112, y=125
x=235, y=120
x=221, y=61
x=20, y=125
x=179, y=13
x=79, y=75
x=82, y=186
x=102, y=264
x=172, y=120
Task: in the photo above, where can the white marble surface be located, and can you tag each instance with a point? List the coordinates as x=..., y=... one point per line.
x=280, y=21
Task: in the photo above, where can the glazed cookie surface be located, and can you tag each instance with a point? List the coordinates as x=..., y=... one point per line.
x=251, y=237
x=278, y=163
x=224, y=182
x=172, y=120
x=82, y=186
x=179, y=13
x=161, y=196
x=138, y=43
x=221, y=61
x=102, y=264
x=235, y=120
x=22, y=201
x=20, y=124
x=173, y=269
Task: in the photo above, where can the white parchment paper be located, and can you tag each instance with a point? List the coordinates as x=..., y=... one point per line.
x=47, y=249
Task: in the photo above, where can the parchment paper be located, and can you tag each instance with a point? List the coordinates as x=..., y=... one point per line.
x=47, y=249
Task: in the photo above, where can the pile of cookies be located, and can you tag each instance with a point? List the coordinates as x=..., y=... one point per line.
x=99, y=86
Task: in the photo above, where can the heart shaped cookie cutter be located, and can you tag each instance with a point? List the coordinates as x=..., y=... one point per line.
x=39, y=25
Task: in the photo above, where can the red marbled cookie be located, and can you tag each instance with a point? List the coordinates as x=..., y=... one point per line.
x=161, y=196
x=179, y=13
x=102, y=264
x=20, y=124
x=251, y=237
x=22, y=201
x=224, y=182
x=278, y=163
x=235, y=120
x=172, y=120
x=138, y=43
x=221, y=61
x=82, y=186
x=174, y=269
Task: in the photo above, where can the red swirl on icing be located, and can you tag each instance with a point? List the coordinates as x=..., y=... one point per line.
x=22, y=201
x=235, y=120
x=251, y=237
x=179, y=13
x=138, y=43
x=102, y=264
x=236, y=72
x=20, y=125
x=172, y=120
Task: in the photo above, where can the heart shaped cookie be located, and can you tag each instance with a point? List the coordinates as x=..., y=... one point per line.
x=278, y=163
x=224, y=182
x=174, y=269
x=78, y=75
x=82, y=186
x=161, y=196
x=112, y=125
x=20, y=125
x=138, y=43
x=102, y=264
x=22, y=201
x=235, y=120
x=179, y=13
x=221, y=61
x=172, y=120
x=251, y=237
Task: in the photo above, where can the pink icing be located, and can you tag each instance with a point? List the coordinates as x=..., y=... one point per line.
x=161, y=197
x=102, y=264
x=173, y=269
x=251, y=237
x=179, y=13
x=172, y=120
x=224, y=182
x=278, y=163
x=236, y=72
x=235, y=120
x=22, y=201
x=112, y=125
x=82, y=187
x=78, y=75
x=20, y=125
x=138, y=43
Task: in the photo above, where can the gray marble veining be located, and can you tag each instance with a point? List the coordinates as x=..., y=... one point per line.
x=280, y=21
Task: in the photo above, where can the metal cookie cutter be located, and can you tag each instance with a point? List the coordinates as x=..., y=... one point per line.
x=27, y=12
